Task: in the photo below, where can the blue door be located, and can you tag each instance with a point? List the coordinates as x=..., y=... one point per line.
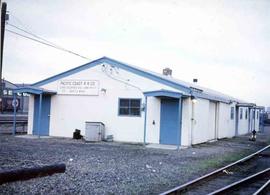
x=169, y=121
x=45, y=115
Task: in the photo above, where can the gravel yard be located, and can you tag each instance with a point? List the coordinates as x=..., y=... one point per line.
x=115, y=168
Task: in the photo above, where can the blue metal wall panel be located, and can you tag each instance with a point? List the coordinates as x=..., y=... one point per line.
x=45, y=115
x=169, y=121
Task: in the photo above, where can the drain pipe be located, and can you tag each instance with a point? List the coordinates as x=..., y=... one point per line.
x=254, y=119
x=145, y=120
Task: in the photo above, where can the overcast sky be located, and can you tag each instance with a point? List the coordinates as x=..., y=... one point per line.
x=225, y=44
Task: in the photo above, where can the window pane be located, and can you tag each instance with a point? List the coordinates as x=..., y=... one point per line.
x=123, y=111
x=130, y=107
x=232, y=112
x=241, y=113
x=135, y=103
x=124, y=103
x=135, y=111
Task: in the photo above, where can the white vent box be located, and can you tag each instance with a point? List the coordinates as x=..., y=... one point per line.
x=94, y=131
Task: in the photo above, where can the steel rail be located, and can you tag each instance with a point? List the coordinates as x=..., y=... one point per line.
x=185, y=186
x=236, y=184
x=263, y=189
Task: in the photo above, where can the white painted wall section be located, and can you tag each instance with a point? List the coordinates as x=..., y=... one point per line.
x=243, y=122
x=212, y=134
x=226, y=125
x=186, y=122
x=30, y=115
x=153, y=120
x=257, y=120
x=201, y=131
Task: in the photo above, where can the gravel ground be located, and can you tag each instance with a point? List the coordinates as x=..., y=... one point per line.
x=115, y=168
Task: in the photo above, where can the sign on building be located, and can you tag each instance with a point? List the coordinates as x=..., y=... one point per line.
x=78, y=87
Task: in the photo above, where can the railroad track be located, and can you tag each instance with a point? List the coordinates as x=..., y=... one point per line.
x=249, y=175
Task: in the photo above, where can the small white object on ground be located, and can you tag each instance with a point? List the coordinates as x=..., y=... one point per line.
x=227, y=172
x=71, y=159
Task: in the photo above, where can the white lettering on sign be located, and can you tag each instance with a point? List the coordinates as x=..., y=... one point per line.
x=78, y=87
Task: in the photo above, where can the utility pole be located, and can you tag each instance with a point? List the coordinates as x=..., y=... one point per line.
x=3, y=24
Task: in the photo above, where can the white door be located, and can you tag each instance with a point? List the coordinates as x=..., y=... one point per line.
x=212, y=121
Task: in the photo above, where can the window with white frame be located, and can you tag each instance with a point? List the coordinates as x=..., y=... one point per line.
x=246, y=114
x=5, y=92
x=232, y=113
x=241, y=113
x=129, y=107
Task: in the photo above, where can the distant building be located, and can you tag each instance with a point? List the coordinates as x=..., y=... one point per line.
x=22, y=99
x=7, y=108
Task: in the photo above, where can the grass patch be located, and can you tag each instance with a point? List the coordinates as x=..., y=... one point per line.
x=219, y=161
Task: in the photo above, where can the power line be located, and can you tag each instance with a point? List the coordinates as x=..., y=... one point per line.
x=26, y=30
x=44, y=41
x=34, y=35
x=19, y=21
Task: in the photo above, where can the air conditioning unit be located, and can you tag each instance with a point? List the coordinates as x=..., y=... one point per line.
x=94, y=131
